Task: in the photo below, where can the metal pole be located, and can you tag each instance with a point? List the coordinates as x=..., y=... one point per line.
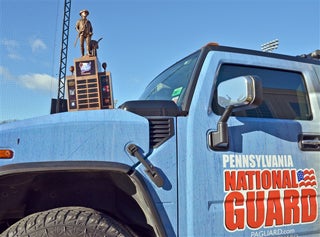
x=63, y=54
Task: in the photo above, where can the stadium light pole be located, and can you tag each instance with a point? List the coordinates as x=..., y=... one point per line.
x=270, y=46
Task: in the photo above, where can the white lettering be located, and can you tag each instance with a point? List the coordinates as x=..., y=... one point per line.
x=268, y=160
x=225, y=160
x=290, y=161
x=257, y=161
x=252, y=161
x=239, y=160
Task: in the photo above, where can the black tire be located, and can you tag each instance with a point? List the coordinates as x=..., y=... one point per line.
x=66, y=222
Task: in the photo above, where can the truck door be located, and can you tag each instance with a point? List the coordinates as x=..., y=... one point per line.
x=270, y=168
x=264, y=182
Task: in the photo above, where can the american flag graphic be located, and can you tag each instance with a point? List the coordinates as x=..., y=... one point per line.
x=306, y=178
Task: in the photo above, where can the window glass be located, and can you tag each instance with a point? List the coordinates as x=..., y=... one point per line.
x=172, y=83
x=284, y=92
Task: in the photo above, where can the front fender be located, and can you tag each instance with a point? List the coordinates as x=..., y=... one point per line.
x=100, y=135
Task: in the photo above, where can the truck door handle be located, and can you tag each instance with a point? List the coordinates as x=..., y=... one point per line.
x=308, y=142
x=151, y=171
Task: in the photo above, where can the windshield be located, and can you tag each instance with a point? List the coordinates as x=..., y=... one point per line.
x=173, y=82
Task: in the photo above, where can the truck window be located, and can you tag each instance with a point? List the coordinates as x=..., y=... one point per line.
x=284, y=92
x=173, y=82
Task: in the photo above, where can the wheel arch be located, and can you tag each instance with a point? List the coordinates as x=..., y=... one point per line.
x=109, y=187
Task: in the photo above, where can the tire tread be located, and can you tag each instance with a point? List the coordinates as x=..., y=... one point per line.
x=68, y=221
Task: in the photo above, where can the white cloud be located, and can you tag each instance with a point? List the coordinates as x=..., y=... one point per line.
x=33, y=81
x=5, y=73
x=10, y=44
x=36, y=81
x=12, y=48
x=37, y=45
x=14, y=56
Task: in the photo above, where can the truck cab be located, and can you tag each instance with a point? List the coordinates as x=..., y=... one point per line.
x=225, y=141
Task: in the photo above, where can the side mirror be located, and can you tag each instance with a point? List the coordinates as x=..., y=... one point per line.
x=243, y=92
x=239, y=93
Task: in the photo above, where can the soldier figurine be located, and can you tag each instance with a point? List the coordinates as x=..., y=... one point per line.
x=84, y=29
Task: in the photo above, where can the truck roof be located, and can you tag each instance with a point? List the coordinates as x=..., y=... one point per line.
x=311, y=58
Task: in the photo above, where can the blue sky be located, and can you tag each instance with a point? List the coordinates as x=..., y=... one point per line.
x=140, y=39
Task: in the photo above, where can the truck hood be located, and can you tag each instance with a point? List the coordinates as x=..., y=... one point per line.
x=99, y=135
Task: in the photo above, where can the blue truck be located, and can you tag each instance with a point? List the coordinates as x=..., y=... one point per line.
x=224, y=142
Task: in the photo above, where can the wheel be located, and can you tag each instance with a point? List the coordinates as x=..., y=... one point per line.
x=66, y=222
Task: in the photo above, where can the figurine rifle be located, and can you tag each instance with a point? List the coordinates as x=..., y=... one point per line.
x=78, y=36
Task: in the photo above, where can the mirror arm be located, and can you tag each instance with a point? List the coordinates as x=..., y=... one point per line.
x=219, y=140
x=226, y=114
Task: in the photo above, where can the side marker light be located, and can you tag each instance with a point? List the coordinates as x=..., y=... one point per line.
x=212, y=44
x=6, y=154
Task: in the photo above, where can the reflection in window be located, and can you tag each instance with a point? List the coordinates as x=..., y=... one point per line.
x=173, y=82
x=284, y=92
